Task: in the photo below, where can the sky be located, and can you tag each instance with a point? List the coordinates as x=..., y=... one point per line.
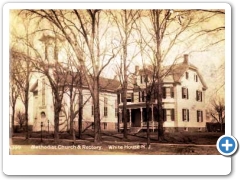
x=209, y=59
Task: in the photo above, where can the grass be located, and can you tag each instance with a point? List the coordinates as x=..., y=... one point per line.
x=184, y=143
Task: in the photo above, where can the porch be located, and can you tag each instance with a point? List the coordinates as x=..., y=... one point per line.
x=137, y=118
x=152, y=125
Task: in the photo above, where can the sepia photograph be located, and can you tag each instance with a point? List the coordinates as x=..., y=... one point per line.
x=116, y=81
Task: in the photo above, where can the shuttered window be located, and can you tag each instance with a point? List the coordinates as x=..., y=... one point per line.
x=199, y=96
x=199, y=116
x=185, y=114
x=184, y=93
x=105, y=107
x=168, y=92
x=168, y=114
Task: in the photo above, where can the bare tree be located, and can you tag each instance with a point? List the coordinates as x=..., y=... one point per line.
x=14, y=93
x=218, y=110
x=21, y=119
x=21, y=78
x=125, y=21
x=161, y=31
x=21, y=71
x=74, y=92
x=78, y=26
x=43, y=60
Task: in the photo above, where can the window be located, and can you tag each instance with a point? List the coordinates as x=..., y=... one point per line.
x=118, y=98
x=146, y=78
x=80, y=100
x=185, y=93
x=61, y=113
x=116, y=108
x=172, y=114
x=92, y=109
x=199, y=96
x=168, y=92
x=195, y=77
x=185, y=114
x=186, y=74
x=143, y=96
x=199, y=116
x=130, y=97
x=43, y=92
x=168, y=114
x=141, y=79
x=35, y=93
x=104, y=125
x=105, y=107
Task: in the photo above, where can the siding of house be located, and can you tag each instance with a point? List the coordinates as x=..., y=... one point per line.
x=176, y=104
x=36, y=107
x=191, y=103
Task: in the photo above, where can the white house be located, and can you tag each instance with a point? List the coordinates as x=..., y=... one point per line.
x=183, y=97
x=41, y=102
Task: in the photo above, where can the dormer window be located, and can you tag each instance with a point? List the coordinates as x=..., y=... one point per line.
x=186, y=75
x=195, y=78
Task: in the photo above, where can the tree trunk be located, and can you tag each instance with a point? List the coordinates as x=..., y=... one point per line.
x=221, y=121
x=56, y=125
x=13, y=118
x=80, y=116
x=158, y=34
x=124, y=111
x=160, y=115
x=74, y=136
x=26, y=111
x=71, y=108
x=57, y=109
x=71, y=116
x=125, y=80
x=97, y=127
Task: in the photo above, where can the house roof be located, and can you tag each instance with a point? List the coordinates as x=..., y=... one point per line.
x=105, y=84
x=178, y=71
x=174, y=72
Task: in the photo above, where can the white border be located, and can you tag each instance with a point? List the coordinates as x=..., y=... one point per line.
x=99, y=165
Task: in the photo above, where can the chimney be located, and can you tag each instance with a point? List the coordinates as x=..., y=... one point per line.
x=136, y=69
x=185, y=61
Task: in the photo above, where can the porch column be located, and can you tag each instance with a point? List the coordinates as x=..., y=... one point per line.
x=130, y=117
x=152, y=119
x=120, y=116
x=141, y=117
